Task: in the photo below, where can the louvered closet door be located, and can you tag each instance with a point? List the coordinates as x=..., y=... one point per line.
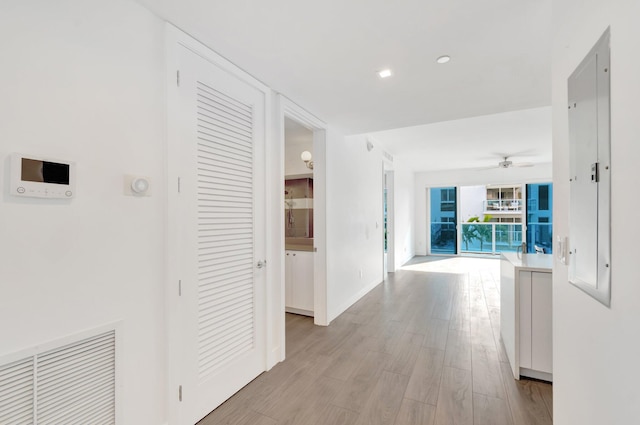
x=222, y=214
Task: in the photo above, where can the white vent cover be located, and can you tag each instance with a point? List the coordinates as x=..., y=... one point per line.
x=16, y=393
x=73, y=384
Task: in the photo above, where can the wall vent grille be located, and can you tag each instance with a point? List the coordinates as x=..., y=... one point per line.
x=72, y=384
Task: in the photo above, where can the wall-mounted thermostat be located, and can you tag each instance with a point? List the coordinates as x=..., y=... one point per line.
x=41, y=177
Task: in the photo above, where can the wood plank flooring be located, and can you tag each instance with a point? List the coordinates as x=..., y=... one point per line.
x=422, y=348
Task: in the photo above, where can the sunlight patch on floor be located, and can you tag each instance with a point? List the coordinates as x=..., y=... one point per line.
x=457, y=265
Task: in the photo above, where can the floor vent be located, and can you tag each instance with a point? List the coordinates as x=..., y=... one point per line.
x=72, y=384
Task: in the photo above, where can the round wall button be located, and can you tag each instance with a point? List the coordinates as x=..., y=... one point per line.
x=68, y=193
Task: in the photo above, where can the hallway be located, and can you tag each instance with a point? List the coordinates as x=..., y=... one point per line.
x=421, y=348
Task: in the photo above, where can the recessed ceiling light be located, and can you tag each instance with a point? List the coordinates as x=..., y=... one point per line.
x=443, y=59
x=385, y=73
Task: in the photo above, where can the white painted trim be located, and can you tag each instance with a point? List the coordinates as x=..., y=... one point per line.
x=536, y=374
x=355, y=298
x=174, y=39
x=287, y=108
x=389, y=176
x=175, y=36
x=427, y=218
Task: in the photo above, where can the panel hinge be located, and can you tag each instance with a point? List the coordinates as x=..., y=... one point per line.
x=180, y=288
x=178, y=184
x=180, y=393
x=178, y=78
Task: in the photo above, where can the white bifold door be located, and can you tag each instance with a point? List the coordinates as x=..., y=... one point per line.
x=219, y=228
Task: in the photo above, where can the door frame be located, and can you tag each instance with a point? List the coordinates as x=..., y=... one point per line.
x=389, y=185
x=175, y=39
x=287, y=108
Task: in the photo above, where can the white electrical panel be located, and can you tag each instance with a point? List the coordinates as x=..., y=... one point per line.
x=590, y=173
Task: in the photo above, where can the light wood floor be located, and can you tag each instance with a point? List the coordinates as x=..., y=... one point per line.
x=421, y=348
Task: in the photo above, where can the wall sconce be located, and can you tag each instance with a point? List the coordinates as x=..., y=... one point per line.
x=306, y=157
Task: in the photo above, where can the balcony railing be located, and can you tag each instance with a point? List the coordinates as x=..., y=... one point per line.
x=502, y=205
x=491, y=238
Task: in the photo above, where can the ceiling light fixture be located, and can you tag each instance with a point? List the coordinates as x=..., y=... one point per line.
x=443, y=59
x=385, y=73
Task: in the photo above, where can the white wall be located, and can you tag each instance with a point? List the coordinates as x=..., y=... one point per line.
x=471, y=202
x=354, y=220
x=595, y=348
x=293, y=165
x=468, y=177
x=404, y=213
x=83, y=81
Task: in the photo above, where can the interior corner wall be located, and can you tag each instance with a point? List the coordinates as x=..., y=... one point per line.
x=595, y=348
x=467, y=177
x=354, y=220
x=83, y=80
x=404, y=213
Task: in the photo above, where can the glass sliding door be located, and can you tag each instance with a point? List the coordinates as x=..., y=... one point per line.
x=443, y=208
x=540, y=218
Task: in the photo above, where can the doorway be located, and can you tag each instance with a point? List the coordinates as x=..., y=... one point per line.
x=290, y=113
x=298, y=218
x=443, y=223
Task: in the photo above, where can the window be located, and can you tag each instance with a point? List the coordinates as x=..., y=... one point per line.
x=447, y=200
x=543, y=197
x=539, y=217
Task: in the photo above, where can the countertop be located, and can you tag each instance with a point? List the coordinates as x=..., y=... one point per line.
x=532, y=262
x=298, y=244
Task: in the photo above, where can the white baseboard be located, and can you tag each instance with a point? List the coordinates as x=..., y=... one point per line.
x=353, y=299
x=299, y=311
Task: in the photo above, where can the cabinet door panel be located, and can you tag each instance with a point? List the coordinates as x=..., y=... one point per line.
x=288, y=279
x=541, y=328
x=303, y=290
x=525, y=319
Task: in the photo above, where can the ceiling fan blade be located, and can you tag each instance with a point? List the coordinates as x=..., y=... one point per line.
x=523, y=164
x=492, y=167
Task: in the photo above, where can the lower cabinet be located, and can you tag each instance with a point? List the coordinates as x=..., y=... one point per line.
x=299, y=282
x=535, y=324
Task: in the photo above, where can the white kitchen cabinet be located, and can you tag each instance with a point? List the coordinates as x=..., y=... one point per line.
x=526, y=314
x=541, y=328
x=299, y=282
x=535, y=322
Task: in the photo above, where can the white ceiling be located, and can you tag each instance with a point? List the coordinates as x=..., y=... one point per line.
x=324, y=56
x=523, y=136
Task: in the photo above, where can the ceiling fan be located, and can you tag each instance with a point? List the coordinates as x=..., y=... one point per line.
x=506, y=163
